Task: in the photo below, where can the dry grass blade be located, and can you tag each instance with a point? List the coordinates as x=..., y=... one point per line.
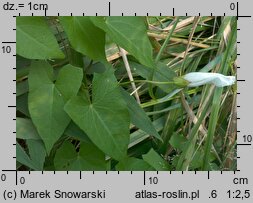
x=181, y=24
x=178, y=40
x=195, y=23
x=129, y=73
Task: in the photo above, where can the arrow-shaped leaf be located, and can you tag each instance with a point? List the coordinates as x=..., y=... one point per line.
x=129, y=32
x=84, y=36
x=35, y=40
x=105, y=119
x=46, y=99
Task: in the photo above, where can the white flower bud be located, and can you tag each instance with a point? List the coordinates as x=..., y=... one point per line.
x=198, y=78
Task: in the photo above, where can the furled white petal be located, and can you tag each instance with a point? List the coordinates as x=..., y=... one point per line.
x=198, y=78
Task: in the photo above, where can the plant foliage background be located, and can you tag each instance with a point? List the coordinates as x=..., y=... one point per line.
x=78, y=110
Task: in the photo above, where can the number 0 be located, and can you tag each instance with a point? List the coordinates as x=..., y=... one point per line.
x=232, y=6
x=3, y=177
x=22, y=180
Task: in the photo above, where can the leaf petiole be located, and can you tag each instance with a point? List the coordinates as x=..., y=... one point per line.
x=147, y=81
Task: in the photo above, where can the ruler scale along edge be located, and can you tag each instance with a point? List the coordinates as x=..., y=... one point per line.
x=145, y=178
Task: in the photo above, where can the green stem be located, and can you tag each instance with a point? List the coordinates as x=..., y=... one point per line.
x=186, y=156
x=211, y=128
x=147, y=81
x=150, y=89
x=217, y=99
x=166, y=41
